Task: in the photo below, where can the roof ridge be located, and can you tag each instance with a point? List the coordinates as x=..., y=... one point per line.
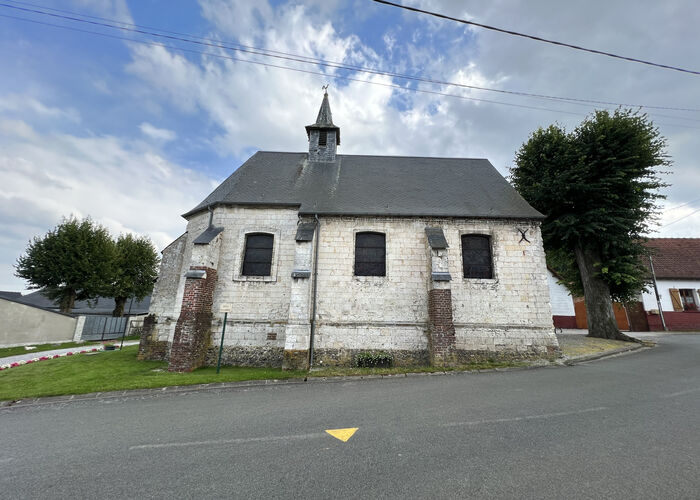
x=384, y=156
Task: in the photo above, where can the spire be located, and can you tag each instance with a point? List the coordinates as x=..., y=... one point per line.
x=325, y=117
x=323, y=135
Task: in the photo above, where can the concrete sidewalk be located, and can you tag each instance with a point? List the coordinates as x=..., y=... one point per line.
x=34, y=354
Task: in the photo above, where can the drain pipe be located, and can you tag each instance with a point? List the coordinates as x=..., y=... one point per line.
x=313, y=294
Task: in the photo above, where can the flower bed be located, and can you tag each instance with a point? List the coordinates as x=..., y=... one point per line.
x=45, y=358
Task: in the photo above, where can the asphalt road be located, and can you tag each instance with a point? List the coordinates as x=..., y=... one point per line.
x=624, y=427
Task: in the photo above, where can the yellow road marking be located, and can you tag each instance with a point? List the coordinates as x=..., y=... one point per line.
x=342, y=434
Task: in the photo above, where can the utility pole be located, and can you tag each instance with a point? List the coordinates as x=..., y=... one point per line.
x=656, y=291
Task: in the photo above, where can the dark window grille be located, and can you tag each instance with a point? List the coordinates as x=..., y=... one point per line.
x=257, y=260
x=476, y=256
x=322, y=137
x=370, y=254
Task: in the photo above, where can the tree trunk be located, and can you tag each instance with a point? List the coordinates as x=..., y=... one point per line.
x=119, y=303
x=599, y=308
x=67, y=301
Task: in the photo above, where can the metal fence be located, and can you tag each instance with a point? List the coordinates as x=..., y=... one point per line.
x=103, y=327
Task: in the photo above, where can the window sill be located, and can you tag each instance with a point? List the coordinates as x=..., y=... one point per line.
x=369, y=279
x=260, y=279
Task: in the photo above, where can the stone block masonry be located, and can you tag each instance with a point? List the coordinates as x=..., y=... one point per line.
x=193, y=328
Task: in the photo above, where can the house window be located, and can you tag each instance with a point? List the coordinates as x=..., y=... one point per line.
x=370, y=254
x=322, y=137
x=688, y=299
x=257, y=260
x=476, y=256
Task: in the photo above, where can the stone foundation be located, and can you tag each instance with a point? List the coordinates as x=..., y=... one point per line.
x=245, y=356
x=346, y=357
x=149, y=348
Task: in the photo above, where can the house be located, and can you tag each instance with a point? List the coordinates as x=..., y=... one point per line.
x=563, y=313
x=315, y=257
x=676, y=265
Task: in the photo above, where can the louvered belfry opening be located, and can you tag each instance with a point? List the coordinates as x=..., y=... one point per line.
x=370, y=254
x=257, y=260
x=322, y=137
x=476, y=256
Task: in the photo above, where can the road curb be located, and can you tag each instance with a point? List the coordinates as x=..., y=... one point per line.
x=570, y=361
x=175, y=389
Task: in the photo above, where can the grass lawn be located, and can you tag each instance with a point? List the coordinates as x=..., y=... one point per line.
x=113, y=371
x=16, y=351
x=120, y=370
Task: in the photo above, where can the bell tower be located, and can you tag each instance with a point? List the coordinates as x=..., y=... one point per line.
x=324, y=136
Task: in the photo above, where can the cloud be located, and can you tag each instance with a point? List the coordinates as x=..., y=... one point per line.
x=125, y=186
x=23, y=105
x=159, y=134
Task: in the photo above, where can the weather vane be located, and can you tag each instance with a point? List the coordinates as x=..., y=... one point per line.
x=325, y=88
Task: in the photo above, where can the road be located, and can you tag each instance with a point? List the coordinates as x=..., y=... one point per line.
x=624, y=427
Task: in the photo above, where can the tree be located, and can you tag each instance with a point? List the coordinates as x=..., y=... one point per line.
x=597, y=187
x=135, y=269
x=71, y=262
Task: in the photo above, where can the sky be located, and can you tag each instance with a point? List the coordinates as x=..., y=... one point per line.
x=134, y=129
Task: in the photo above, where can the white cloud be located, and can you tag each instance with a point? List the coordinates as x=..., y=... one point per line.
x=159, y=134
x=126, y=187
x=24, y=105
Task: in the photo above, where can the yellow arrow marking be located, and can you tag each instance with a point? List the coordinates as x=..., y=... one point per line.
x=342, y=434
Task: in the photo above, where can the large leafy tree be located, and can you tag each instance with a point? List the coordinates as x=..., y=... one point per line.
x=135, y=269
x=71, y=262
x=597, y=187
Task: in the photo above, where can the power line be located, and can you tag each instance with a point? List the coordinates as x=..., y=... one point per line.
x=299, y=70
x=682, y=205
x=310, y=60
x=684, y=217
x=539, y=39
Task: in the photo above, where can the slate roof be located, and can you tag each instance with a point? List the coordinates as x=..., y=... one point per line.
x=372, y=185
x=324, y=120
x=101, y=305
x=675, y=258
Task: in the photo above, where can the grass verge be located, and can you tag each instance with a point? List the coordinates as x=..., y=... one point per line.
x=114, y=371
x=120, y=370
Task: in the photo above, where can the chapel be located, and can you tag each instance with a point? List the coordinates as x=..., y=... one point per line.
x=313, y=258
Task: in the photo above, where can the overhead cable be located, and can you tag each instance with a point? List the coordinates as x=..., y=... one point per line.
x=310, y=60
x=539, y=39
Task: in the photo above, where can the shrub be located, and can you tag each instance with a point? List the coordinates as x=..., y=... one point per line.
x=374, y=360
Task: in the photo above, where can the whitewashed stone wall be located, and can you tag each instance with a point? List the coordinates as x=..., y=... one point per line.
x=166, y=298
x=511, y=311
x=258, y=308
x=372, y=312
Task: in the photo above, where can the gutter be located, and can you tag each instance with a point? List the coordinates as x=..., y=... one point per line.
x=313, y=294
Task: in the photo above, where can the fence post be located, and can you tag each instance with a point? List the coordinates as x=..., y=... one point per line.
x=221, y=347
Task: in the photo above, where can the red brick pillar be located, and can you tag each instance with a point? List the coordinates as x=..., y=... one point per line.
x=193, y=328
x=442, y=329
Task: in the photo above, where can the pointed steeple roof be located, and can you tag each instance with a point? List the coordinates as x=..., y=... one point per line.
x=324, y=120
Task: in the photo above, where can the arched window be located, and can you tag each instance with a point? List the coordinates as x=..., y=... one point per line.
x=476, y=256
x=257, y=260
x=370, y=254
